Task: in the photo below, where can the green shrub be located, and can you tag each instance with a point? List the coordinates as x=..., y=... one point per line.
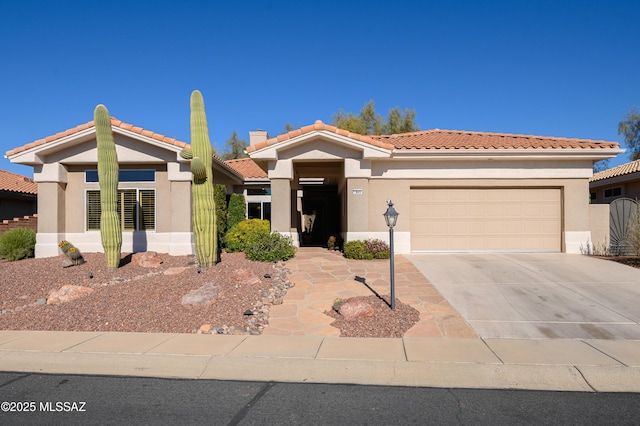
x=237, y=210
x=242, y=234
x=220, y=197
x=17, y=243
x=355, y=250
x=366, y=250
x=270, y=247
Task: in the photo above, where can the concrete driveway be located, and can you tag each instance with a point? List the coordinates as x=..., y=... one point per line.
x=538, y=295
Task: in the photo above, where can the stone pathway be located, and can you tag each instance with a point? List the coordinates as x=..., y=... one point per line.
x=320, y=276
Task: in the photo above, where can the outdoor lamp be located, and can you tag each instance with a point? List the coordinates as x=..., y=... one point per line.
x=391, y=217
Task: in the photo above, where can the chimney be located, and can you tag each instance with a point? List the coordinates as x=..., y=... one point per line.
x=257, y=137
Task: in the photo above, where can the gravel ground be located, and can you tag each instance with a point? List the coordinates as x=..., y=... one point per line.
x=133, y=298
x=139, y=299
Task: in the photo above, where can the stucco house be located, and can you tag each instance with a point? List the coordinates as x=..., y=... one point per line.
x=18, y=196
x=616, y=182
x=454, y=190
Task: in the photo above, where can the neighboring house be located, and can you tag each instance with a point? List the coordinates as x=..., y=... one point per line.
x=617, y=182
x=18, y=196
x=455, y=191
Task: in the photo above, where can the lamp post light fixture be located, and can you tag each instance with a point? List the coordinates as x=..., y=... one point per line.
x=391, y=217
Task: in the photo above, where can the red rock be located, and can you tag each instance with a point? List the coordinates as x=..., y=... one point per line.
x=204, y=295
x=205, y=329
x=244, y=276
x=67, y=293
x=352, y=309
x=174, y=271
x=146, y=259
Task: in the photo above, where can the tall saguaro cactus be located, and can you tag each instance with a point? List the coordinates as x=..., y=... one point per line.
x=202, y=193
x=110, y=230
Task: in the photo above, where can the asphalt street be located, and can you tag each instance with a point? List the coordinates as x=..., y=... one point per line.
x=37, y=399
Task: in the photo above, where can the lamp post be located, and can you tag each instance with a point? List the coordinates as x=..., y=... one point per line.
x=391, y=217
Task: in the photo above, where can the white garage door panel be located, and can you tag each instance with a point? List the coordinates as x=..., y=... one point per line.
x=492, y=219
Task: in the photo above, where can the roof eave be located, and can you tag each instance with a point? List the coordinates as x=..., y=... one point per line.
x=595, y=154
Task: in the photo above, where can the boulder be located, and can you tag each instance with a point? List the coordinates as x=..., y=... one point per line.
x=66, y=293
x=245, y=277
x=204, y=295
x=147, y=259
x=352, y=309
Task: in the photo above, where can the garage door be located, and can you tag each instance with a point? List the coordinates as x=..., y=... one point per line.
x=486, y=219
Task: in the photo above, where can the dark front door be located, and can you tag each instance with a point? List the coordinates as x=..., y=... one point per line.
x=320, y=215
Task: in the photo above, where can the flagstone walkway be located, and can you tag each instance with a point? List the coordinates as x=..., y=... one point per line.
x=320, y=276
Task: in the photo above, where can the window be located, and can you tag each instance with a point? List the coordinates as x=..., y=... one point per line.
x=260, y=210
x=124, y=176
x=613, y=192
x=136, y=209
x=592, y=196
x=260, y=190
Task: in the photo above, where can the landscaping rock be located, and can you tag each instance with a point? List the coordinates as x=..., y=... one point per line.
x=147, y=259
x=175, y=271
x=244, y=276
x=352, y=309
x=67, y=293
x=204, y=295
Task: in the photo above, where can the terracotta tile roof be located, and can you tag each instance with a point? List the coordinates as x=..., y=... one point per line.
x=114, y=122
x=247, y=168
x=17, y=183
x=623, y=169
x=454, y=139
x=317, y=126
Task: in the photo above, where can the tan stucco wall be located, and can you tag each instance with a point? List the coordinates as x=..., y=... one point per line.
x=51, y=207
x=357, y=195
x=599, y=226
x=281, y=200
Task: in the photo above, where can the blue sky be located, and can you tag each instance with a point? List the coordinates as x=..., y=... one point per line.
x=550, y=68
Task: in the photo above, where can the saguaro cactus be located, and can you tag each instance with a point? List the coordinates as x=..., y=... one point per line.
x=202, y=192
x=110, y=230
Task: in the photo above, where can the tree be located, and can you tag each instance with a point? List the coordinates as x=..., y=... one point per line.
x=234, y=147
x=630, y=129
x=369, y=122
x=601, y=165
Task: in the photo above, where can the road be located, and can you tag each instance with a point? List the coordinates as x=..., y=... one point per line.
x=88, y=400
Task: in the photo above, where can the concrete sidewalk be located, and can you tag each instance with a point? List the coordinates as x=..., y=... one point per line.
x=550, y=364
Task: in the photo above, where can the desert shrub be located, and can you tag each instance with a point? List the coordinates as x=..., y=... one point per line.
x=237, y=210
x=243, y=233
x=378, y=248
x=17, y=243
x=355, y=250
x=270, y=247
x=220, y=198
x=633, y=232
x=366, y=250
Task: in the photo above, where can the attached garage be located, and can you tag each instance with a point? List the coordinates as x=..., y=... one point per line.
x=486, y=219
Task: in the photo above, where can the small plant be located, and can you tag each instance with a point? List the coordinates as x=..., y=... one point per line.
x=244, y=234
x=331, y=243
x=633, y=232
x=17, y=243
x=367, y=250
x=270, y=248
x=337, y=303
x=71, y=252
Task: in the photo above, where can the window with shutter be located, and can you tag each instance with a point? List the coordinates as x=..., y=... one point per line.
x=136, y=209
